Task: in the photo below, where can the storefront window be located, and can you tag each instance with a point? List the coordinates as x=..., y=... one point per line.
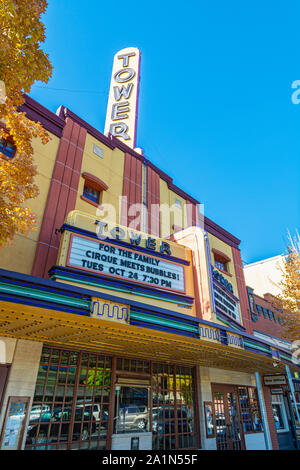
x=251, y=418
x=131, y=409
x=279, y=412
x=132, y=365
x=173, y=413
x=70, y=409
x=297, y=398
x=70, y=406
x=220, y=421
x=278, y=416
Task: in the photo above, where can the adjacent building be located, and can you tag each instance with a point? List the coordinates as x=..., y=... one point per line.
x=264, y=276
x=268, y=325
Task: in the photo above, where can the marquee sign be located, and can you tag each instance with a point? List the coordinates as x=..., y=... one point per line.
x=226, y=303
x=135, y=238
x=218, y=276
x=224, y=298
x=102, y=257
x=121, y=117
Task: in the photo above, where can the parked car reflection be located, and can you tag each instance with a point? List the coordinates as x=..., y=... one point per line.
x=59, y=421
x=100, y=414
x=36, y=411
x=132, y=418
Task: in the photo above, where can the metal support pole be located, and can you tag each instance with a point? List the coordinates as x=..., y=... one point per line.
x=292, y=390
x=263, y=412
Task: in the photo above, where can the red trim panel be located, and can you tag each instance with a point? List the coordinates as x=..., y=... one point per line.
x=153, y=202
x=132, y=191
x=240, y=279
x=61, y=197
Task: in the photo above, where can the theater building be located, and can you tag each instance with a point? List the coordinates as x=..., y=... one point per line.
x=124, y=324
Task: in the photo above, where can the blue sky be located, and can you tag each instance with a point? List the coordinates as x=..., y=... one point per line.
x=215, y=109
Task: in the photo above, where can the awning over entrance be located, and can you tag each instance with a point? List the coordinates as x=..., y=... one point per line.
x=83, y=332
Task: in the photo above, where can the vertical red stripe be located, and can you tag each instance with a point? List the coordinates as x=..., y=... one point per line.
x=190, y=208
x=153, y=202
x=240, y=279
x=138, y=193
x=132, y=196
x=149, y=198
x=132, y=190
x=72, y=146
x=61, y=196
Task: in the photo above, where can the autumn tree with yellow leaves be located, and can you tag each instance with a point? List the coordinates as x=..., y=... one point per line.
x=22, y=62
x=289, y=299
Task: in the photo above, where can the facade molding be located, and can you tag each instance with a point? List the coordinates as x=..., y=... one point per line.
x=38, y=113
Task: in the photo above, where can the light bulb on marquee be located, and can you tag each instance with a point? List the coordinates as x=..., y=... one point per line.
x=121, y=116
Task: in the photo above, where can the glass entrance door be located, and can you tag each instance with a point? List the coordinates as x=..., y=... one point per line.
x=235, y=435
x=131, y=409
x=229, y=433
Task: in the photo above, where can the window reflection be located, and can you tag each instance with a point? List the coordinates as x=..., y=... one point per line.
x=71, y=403
x=58, y=415
x=251, y=418
x=173, y=407
x=131, y=409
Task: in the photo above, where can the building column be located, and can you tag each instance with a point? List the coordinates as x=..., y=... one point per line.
x=204, y=394
x=264, y=397
x=22, y=376
x=292, y=390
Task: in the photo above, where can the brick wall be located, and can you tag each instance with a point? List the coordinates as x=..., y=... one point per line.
x=270, y=416
x=267, y=325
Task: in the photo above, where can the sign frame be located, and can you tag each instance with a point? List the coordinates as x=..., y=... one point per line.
x=272, y=384
x=112, y=276
x=20, y=430
x=208, y=408
x=123, y=98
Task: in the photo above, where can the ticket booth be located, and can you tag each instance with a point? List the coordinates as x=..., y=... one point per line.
x=132, y=416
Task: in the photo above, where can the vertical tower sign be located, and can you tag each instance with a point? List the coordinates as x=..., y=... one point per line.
x=121, y=116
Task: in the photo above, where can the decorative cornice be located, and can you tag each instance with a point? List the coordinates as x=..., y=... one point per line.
x=38, y=113
x=220, y=233
x=90, y=129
